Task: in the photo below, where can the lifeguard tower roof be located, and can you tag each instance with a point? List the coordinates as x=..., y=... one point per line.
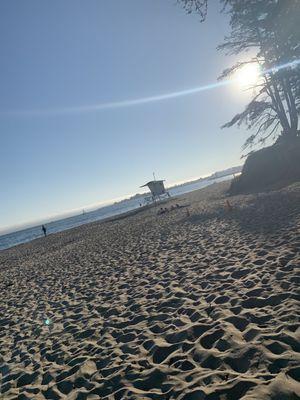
x=151, y=182
x=157, y=188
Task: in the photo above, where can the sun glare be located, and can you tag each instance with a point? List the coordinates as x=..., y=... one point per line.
x=248, y=75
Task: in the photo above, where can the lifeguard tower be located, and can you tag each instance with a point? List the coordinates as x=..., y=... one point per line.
x=157, y=189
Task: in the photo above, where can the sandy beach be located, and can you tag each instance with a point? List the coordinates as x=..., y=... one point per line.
x=198, y=303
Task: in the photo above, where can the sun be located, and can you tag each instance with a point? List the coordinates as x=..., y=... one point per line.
x=248, y=75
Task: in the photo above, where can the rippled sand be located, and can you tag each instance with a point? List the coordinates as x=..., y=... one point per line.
x=198, y=303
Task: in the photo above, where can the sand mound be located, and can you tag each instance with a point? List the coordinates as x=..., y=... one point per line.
x=158, y=307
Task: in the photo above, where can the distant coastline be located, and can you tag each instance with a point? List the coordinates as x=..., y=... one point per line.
x=138, y=198
x=215, y=175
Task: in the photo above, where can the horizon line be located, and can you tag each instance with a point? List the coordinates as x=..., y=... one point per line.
x=6, y=230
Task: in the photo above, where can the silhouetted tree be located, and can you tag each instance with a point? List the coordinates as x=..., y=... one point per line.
x=270, y=29
x=198, y=6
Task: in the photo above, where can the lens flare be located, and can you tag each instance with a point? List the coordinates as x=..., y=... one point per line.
x=246, y=77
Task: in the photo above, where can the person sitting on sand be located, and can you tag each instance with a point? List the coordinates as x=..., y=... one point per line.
x=44, y=229
x=162, y=210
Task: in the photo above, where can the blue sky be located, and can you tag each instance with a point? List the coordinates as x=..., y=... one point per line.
x=57, y=55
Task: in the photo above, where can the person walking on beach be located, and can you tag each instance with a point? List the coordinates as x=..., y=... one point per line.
x=44, y=229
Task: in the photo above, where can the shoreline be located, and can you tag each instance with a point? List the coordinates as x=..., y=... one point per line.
x=116, y=217
x=123, y=214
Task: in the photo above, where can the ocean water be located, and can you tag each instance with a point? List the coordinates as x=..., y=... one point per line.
x=26, y=235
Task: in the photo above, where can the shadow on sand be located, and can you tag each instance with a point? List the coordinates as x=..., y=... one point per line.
x=265, y=213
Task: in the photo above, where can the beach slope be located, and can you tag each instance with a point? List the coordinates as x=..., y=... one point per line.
x=199, y=302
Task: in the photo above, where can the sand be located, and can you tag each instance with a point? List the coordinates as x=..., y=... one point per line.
x=176, y=306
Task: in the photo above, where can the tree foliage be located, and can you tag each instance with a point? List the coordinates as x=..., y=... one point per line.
x=269, y=29
x=197, y=6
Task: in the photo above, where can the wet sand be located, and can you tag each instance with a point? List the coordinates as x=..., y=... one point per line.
x=197, y=303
